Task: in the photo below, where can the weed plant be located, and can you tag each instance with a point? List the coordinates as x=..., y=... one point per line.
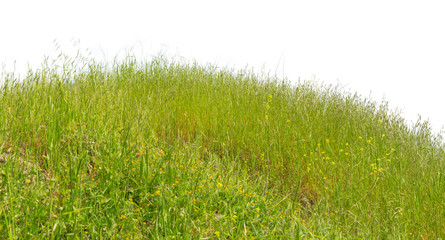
x=169, y=149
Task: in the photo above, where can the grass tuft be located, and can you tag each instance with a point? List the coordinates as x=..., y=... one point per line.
x=169, y=149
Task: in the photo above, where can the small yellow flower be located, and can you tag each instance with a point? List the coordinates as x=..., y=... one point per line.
x=267, y=117
x=217, y=233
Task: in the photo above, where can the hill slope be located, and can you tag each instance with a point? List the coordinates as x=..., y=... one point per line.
x=166, y=149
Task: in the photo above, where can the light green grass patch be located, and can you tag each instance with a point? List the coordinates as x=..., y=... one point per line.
x=166, y=149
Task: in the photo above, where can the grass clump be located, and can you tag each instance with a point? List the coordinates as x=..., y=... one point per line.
x=167, y=149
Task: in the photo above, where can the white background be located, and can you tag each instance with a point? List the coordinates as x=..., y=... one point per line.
x=380, y=48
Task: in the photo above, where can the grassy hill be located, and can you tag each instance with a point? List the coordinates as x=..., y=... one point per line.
x=174, y=150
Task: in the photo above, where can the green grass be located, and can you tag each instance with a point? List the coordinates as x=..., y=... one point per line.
x=175, y=150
